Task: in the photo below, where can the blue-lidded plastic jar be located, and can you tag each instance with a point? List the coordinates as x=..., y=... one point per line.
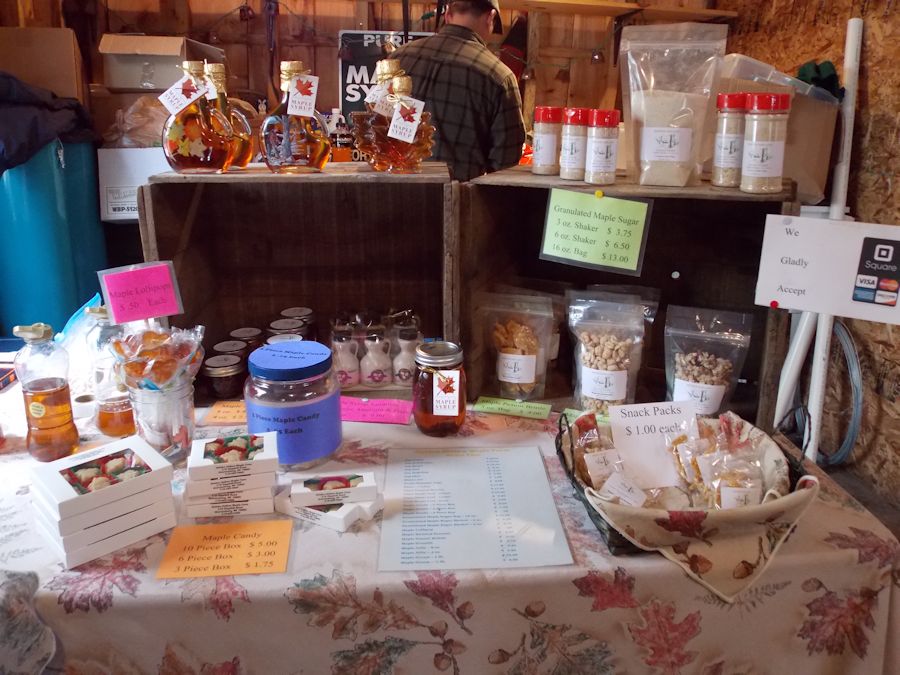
x=292, y=390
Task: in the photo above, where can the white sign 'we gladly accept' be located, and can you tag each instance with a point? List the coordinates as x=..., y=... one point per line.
x=833, y=267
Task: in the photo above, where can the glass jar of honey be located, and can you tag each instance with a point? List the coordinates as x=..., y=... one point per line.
x=439, y=389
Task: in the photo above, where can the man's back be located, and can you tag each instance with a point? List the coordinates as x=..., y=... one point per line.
x=473, y=97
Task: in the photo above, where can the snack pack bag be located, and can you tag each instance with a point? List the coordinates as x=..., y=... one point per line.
x=517, y=331
x=608, y=341
x=705, y=351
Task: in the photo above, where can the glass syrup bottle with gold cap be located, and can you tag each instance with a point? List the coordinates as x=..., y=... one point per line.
x=293, y=143
x=242, y=138
x=193, y=143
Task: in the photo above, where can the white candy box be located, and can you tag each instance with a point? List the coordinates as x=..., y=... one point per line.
x=240, y=508
x=217, y=486
x=231, y=456
x=335, y=488
x=337, y=517
x=88, y=480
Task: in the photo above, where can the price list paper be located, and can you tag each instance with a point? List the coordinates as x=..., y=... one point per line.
x=257, y=547
x=473, y=508
x=603, y=233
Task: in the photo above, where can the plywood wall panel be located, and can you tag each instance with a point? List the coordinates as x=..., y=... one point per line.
x=787, y=34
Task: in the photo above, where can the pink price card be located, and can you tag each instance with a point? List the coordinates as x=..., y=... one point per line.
x=379, y=410
x=138, y=292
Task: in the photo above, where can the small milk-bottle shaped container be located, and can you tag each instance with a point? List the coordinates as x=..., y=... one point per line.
x=405, y=360
x=573, y=143
x=346, y=361
x=42, y=368
x=545, y=148
x=765, y=134
x=198, y=139
x=728, y=151
x=242, y=138
x=293, y=391
x=376, y=367
x=294, y=143
x=602, y=147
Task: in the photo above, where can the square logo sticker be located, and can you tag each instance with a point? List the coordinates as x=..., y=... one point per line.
x=878, y=276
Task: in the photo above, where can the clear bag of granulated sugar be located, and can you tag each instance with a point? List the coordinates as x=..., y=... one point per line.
x=669, y=74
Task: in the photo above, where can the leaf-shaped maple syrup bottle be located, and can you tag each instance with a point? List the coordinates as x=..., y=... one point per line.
x=242, y=138
x=193, y=143
x=363, y=137
x=293, y=143
x=392, y=154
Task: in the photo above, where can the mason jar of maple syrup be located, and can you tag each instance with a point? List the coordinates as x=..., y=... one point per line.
x=439, y=389
x=42, y=366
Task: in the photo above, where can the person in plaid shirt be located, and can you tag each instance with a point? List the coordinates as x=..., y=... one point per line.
x=473, y=97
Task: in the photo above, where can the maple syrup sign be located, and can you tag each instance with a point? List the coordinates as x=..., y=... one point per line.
x=302, y=95
x=405, y=122
x=181, y=94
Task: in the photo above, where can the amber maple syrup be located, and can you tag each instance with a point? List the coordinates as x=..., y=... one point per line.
x=115, y=417
x=51, y=429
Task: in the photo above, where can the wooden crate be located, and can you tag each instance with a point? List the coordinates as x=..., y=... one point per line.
x=710, y=237
x=247, y=244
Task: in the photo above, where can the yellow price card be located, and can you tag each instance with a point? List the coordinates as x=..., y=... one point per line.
x=225, y=413
x=255, y=547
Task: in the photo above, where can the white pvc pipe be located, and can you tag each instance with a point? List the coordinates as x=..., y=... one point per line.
x=852, y=49
x=793, y=363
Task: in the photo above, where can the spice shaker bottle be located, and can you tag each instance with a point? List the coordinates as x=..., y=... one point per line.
x=765, y=133
x=545, y=156
x=602, y=147
x=729, y=144
x=573, y=143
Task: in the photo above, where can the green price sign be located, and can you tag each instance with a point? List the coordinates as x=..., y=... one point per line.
x=505, y=406
x=604, y=233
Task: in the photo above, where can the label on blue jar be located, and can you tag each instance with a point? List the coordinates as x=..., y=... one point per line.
x=305, y=432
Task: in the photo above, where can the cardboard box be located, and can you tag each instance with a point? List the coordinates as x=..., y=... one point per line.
x=63, y=528
x=109, y=528
x=243, y=508
x=237, y=496
x=120, y=172
x=338, y=517
x=232, y=456
x=320, y=489
x=94, y=478
x=105, y=104
x=150, y=62
x=217, y=486
x=77, y=557
x=44, y=57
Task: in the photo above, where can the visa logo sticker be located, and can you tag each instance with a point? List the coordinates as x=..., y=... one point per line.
x=866, y=281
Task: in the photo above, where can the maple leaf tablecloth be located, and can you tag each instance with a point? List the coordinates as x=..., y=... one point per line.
x=828, y=603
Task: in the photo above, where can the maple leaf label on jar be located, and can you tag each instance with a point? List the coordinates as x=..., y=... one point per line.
x=303, y=92
x=181, y=94
x=445, y=393
x=405, y=121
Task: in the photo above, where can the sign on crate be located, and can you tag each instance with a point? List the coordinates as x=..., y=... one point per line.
x=139, y=292
x=832, y=267
x=595, y=231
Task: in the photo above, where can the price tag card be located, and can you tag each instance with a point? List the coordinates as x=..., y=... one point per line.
x=405, y=121
x=138, y=292
x=225, y=413
x=639, y=432
x=181, y=94
x=256, y=547
x=380, y=410
x=303, y=92
x=506, y=406
x=603, y=233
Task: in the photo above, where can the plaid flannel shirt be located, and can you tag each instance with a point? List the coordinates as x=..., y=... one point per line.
x=473, y=98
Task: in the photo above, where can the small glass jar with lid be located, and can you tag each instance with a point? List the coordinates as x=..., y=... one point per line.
x=282, y=326
x=573, y=143
x=237, y=348
x=729, y=145
x=545, y=145
x=439, y=388
x=224, y=375
x=283, y=337
x=252, y=336
x=765, y=133
x=304, y=314
x=602, y=147
x=292, y=390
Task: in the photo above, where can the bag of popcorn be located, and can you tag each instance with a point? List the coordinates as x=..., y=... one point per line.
x=705, y=351
x=608, y=341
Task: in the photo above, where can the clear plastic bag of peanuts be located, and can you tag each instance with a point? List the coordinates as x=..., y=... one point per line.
x=705, y=351
x=517, y=331
x=608, y=338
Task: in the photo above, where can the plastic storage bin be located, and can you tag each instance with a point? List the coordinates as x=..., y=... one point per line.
x=52, y=237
